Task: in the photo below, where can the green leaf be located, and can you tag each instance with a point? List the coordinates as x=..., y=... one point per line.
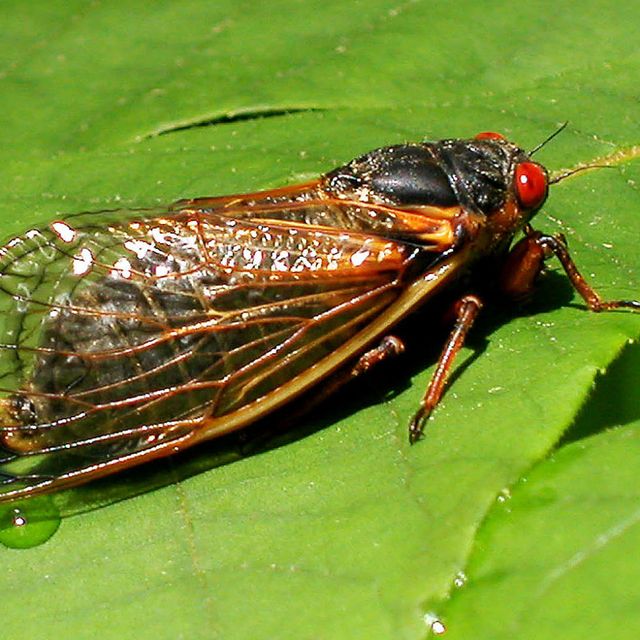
x=557, y=559
x=345, y=531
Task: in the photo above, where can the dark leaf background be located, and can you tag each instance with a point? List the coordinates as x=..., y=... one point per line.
x=517, y=515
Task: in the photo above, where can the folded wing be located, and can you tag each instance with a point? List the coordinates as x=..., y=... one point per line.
x=124, y=332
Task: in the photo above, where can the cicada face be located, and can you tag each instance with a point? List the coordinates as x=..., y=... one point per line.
x=130, y=335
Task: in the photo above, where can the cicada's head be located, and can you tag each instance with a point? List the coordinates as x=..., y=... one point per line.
x=489, y=172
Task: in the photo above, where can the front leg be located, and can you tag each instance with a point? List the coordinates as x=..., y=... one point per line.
x=526, y=260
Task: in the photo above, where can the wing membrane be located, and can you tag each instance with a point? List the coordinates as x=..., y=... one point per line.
x=123, y=332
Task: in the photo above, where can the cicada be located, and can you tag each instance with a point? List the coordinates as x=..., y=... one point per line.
x=131, y=335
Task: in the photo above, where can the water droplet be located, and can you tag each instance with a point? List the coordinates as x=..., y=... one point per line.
x=460, y=580
x=504, y=495
x=435, y=625
x=28, y=523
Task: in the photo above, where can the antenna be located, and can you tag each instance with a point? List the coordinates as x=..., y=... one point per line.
x=549, y=138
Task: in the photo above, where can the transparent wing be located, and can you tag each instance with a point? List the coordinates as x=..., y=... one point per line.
x=122, y=332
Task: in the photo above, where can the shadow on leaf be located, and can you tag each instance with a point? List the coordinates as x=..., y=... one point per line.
x=611, y=404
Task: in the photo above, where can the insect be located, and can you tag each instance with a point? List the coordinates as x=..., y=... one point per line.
x=130, y=335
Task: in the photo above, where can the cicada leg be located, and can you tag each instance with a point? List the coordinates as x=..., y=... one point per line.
x=388, y=347
x=466, y=311
x=526, y=261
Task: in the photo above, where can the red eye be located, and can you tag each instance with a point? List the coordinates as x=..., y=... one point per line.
x=531, y=184
x=490, y=135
